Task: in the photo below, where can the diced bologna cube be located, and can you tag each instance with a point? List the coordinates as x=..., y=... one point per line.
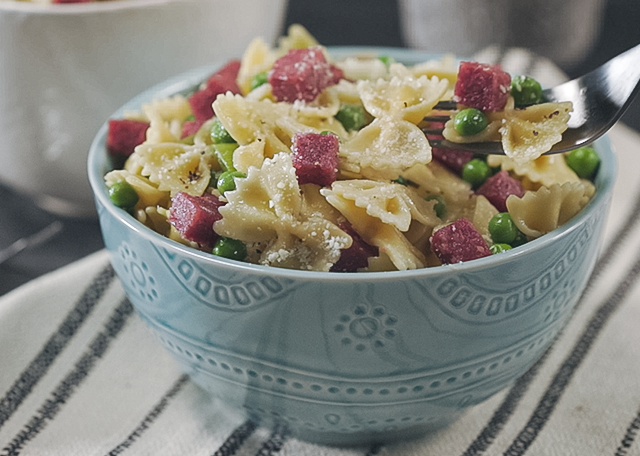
x=194, y=216
x=302, y=74
x=459, y=241
x=481, y=86
x=222, y=81
x=123, y=135
x=498, y=187
x=454, y=160
x=190, y=127
x=356, y=256
x=315, y=158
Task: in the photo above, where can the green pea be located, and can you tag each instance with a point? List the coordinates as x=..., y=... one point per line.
x=351, y=116
x=224, y=154
x=440, y=207
x=499, y=248
x=502, y=228
x=475, y=172
x=232, y=249
x=259, y=79
x=123, y=195
x=219, y=134
x=227, y=181
x=525, y=91
x=470, y=121
x=583, y=161
x=387, y=60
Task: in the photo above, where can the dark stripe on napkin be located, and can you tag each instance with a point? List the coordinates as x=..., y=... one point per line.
x=236, y=439
x=562, y=378
x=56, y=343
x=73, y=379
x=275, y=442
x=617, y=242
x=629, y=437
x=374, y=450
x=507, y=407
x=151, y=417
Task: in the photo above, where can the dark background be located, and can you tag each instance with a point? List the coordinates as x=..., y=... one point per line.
x=332, y=22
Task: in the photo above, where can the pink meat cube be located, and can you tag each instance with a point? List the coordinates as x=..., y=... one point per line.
x=498, y=187
x=194, y=216
x=302, y=74
x=190, y=127
x=227, y=76
x=222, y=81
x=454, y=160
x=123, y=135
x=481, y=86
x=356, y=256
x=459, y=241
x=315, y=158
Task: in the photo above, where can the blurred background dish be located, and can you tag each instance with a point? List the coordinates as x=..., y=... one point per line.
x=564, y=31
x=65, y=68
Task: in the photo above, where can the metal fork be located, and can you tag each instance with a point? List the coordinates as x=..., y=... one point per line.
x=599, y=99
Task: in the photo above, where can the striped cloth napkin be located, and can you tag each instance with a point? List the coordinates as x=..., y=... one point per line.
x=80, y=374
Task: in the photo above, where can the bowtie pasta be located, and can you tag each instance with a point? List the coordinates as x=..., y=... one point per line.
x=290, y=158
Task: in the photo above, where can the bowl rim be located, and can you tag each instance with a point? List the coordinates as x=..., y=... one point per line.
x=96, y=162
x=69, y=9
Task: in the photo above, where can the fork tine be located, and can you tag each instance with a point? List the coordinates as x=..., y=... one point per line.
x=486, y=148
x=443, y=105
x=436, y=118
x=446, y=105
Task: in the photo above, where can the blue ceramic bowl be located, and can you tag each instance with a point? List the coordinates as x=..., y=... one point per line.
x=344, y=358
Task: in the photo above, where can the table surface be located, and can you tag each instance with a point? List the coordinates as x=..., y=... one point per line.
x=331, y=23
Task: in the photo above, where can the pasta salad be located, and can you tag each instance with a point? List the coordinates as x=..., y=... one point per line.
x=291, y=158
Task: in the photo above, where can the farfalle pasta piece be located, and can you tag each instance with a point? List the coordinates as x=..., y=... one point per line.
x=325, y=105
x=404, y=97
x=267, y=206
x=385, y=148
x=165, y=118
x=545, y=170
x=257, y=58
x=148, y=193
x=173, y=167
x=528, y=133
x=544, y=210
x=347, y=92
x=250, y=120
x=176, y=107
x=389, y=239
x=288, y=126
x=251, y=154
x=363, y=68
x=443, y=68
x=297, y=37
x=392, y=203
x=435, y=179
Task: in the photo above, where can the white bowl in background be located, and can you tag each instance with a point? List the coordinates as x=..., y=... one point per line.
x=65, y=68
